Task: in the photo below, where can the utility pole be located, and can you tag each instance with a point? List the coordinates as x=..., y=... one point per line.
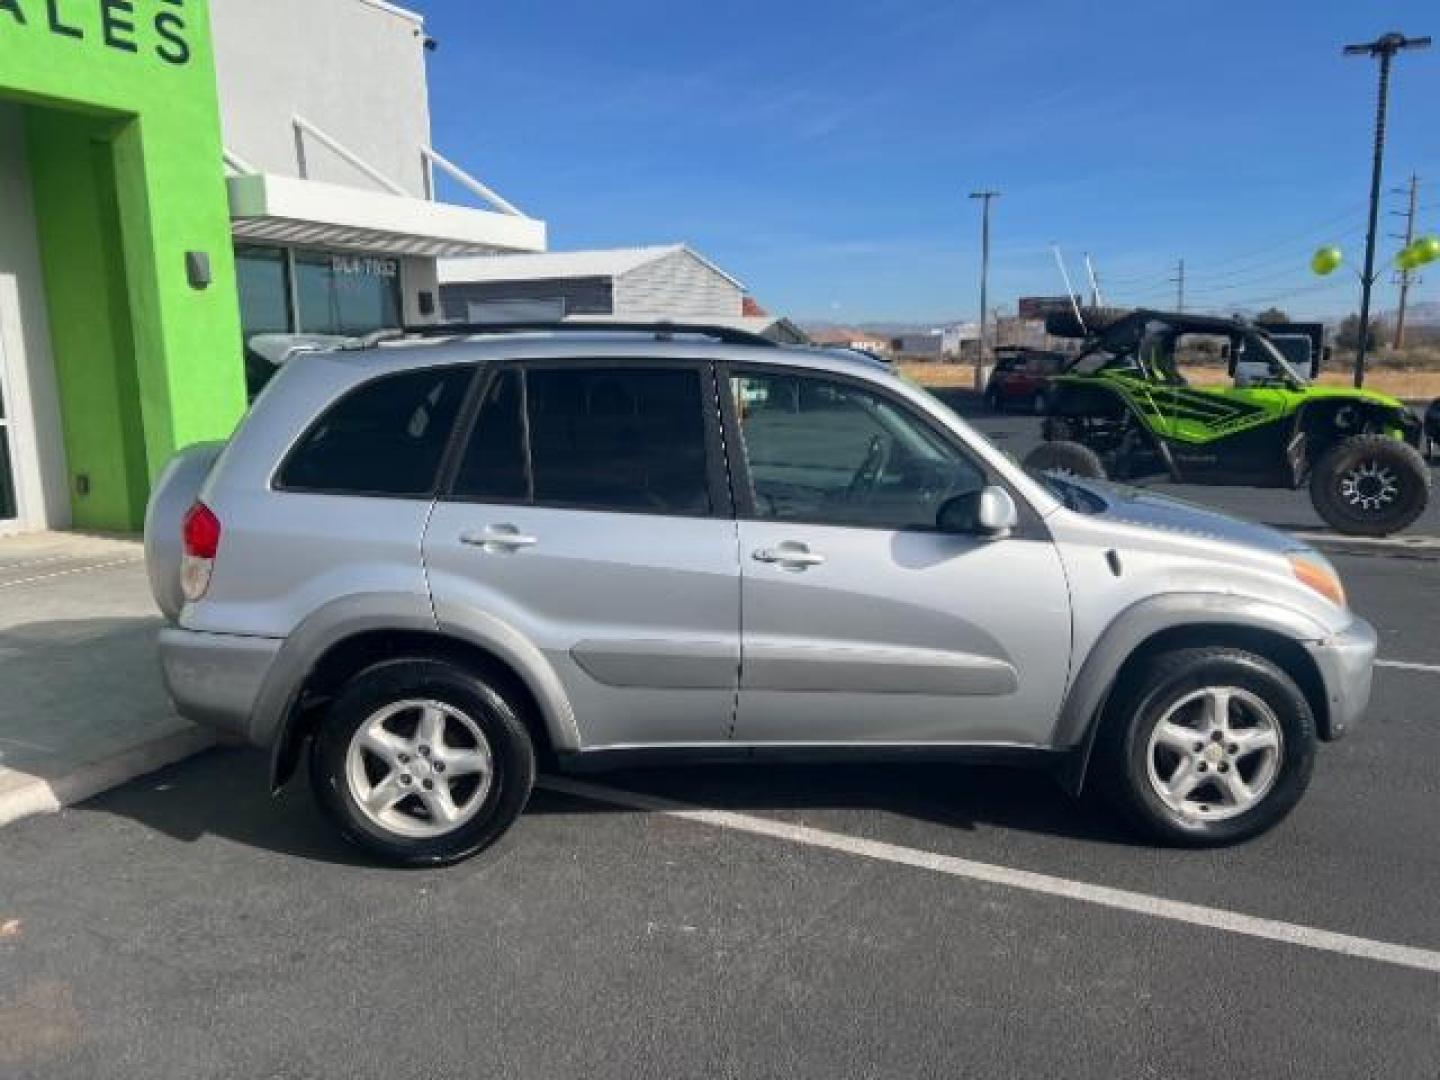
x=985, y=198
x=1406, y=274
x=1179, y=282
x=1385, y=50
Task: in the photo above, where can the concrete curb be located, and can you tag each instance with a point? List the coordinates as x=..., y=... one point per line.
x=23, y=795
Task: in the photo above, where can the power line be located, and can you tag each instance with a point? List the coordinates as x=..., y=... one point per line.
x=1291, y=239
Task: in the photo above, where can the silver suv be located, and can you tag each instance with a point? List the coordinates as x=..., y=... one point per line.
x=435, y=560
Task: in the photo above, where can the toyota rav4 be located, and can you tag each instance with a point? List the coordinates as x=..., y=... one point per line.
x=426, y=563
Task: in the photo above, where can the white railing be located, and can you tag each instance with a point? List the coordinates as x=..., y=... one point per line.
x=303, y=127
x=430, y=158
x=237, y=163
x=465, y=180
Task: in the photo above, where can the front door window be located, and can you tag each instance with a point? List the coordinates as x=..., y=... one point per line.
x=833, y=453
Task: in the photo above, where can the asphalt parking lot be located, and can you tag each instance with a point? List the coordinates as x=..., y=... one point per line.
x=897, y=921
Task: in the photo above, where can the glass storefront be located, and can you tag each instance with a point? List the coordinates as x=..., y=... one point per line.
x=8, y=508
x=284, y=290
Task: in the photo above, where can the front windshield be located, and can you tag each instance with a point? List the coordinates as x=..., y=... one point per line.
x=1071, y=495
x=1265, y=352
x=1099, y=360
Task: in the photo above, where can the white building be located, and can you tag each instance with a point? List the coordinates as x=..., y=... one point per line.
x=326, y=123
x=670, y=282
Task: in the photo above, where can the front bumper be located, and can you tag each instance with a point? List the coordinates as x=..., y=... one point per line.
x=1347, y=663
x=215, y=679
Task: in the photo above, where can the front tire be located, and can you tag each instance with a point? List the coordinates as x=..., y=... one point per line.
x=1206, y=746
x=1066, y=459
x=1370, y=485
x=422, y=763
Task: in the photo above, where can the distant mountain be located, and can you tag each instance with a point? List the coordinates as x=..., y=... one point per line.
x=1425, y=313
x=880, y=329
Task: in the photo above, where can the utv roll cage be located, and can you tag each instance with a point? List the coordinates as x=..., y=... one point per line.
x=1116, y=341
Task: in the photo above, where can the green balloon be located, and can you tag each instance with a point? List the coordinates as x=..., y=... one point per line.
x=1326, y=260
x=1407, y=259
x=1427, y=249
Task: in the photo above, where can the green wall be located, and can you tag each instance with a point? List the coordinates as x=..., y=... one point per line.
x=123, y=134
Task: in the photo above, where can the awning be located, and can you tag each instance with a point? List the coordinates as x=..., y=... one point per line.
x=283, y=210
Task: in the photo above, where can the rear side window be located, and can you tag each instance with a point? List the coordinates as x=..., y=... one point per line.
x=495, y=468
x=630, y=439
x=386, y=438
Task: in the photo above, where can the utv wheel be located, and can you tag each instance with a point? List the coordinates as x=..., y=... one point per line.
x=422, y=763
x=1370, y=485
x=1207, y=746
x=1057, y=429
x=1066, y=459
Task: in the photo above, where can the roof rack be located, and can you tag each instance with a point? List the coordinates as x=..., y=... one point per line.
x=727, y=335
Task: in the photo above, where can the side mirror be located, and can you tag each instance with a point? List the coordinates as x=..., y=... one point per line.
x=989, y=512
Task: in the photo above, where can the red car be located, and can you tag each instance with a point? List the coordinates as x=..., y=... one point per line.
x=1021, y=379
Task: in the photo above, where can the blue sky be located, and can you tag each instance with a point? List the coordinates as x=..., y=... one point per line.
x=822, y=151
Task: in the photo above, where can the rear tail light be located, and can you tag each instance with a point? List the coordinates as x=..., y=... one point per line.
x=201, y=536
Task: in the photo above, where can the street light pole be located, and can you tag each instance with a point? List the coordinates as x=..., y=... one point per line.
x=1385, y=49
x=985, y=198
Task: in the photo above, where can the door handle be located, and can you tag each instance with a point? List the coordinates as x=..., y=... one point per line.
x=790, y=556
x=498, y=538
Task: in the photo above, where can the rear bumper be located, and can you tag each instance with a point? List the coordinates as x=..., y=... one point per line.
x=1347, y=664
x=215, y=679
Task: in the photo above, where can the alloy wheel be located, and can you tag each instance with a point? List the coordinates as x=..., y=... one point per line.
x=1215, y=754
x=1369, y=486
x=419, y=768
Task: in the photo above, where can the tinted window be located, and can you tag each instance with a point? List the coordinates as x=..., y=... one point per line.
x=386, y=438
x=494, y=466
x=264, y=306
x=346, y=294
x=833, y=453
x=618, y=439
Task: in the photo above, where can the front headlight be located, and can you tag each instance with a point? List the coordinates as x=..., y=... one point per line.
x=1318, y=574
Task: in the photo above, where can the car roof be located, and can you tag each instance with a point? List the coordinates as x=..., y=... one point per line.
x=474, y=345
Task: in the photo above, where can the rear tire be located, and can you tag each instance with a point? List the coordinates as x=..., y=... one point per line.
x=422, y=763
x=1256, y=739
x=1058, y=429
x=1370, y=485
x=1066, y=459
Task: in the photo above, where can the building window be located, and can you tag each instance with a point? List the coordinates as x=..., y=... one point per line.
x=313, y=292
x=346, y=294
x=264, y=305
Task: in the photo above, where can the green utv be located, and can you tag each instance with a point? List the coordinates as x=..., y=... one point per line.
x=1122, y=409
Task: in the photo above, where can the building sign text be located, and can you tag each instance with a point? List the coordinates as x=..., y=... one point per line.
x=117, y=26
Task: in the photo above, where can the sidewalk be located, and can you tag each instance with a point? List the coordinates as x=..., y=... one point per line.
x=81, y=704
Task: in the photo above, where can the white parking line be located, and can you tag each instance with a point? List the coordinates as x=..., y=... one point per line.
x=1233, y=922
x=66, y=573
x=1406, y=665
